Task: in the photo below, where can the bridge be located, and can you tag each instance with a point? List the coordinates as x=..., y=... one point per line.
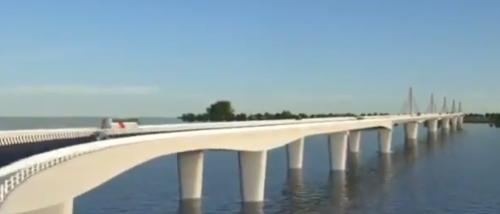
x=48, y=181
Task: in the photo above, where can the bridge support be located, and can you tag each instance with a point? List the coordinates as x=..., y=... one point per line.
x=432, y=126
x=460, y=122
x=338, y=150
x=190, y=170
x=411, y=130
x=252, y=175
x=295, y=154
x=384, y=140
x=354, y=140
x=445, y=124
x=454, y=122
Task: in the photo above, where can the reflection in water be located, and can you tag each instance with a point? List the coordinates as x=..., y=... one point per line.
x=252, y=208
x=432, y=138
x=445, y=132
x=295, y=183
x=385, y=167
x=190, y=206
x=411, y=150
x=338, y=190
x=295, y=180
x=432, y=141
x=295, y=189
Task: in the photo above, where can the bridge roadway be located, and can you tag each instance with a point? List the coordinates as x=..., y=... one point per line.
x=19, y=144
x=48, y=182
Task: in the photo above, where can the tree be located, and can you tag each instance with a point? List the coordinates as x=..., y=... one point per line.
x=189, y=117
x=241, y=117
x=201, y=117
x=286, y=115
x=220, y=111
x=303, y=115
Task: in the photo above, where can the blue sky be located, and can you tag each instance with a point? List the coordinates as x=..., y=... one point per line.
x=163, y=58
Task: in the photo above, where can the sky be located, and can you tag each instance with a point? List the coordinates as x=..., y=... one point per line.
x=164, y=58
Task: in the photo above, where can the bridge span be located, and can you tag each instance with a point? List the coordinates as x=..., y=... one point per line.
x=48, y=182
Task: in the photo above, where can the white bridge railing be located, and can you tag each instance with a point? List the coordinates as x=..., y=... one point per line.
x=8, y=138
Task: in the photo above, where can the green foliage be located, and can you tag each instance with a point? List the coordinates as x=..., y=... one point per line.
x=220, y=111
x=223, y=111
x=241, y=117
x=188, y=117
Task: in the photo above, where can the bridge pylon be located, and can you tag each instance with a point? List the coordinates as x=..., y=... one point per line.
x=432, y=105
x=453, y=107
x=444, y=109
x=410, y=106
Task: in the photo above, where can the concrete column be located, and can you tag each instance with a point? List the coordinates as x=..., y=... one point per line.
x=252, y=175
x=445, y=123
x=62, y=208
x=432, y=126
x=461, y=122
x=411, y=130
x=295, y=154
x=454, y=121
x=354, y=140
x=384, y=141
x=190, y=171
x=338, y=150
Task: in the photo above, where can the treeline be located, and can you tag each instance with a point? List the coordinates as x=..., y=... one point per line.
x=494, y=118
x=223, y=111
x=487, y=115
x=483, y=118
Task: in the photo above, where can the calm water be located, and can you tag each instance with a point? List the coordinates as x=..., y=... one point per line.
x=457, y=173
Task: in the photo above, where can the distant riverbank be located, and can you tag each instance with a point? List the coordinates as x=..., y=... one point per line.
x=491, y=118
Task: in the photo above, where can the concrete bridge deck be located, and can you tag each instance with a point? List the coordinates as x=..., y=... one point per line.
x=28, y=181
x=19, y=144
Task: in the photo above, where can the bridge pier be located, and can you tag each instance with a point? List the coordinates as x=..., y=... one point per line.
x=445, y=124
x=411, y=130
x=354, y=140
x=432, y=126
x=385, y=141
x=295, y=154
x=252, y=175
x=190, y=171
x=338, y=150
x=454, y=121
x=460, y=122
